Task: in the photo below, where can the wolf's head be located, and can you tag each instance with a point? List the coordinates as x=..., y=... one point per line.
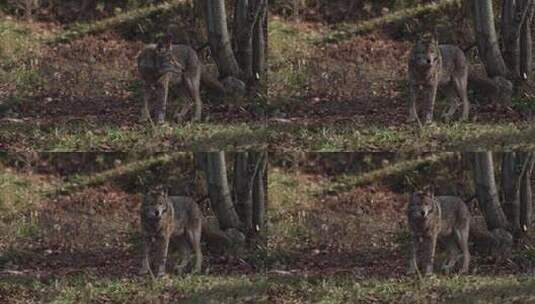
x=422, y=204
x=159, y=59
x=426, y=53
x=156, y=203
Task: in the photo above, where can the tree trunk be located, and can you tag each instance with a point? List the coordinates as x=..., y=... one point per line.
x=218, y=190
x=486, y=191
x=243, y=42
x=525, y=192
x=219, y=38
x=248, y=16
x=511, y=205
x=259, y=49
x=487, y=39
x=248, y=166
x=526, y=46
x=510, y=35
x=260, y=194
x=515, y=15
x=243, y=188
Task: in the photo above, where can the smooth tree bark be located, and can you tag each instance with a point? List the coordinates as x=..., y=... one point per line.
x=248, y=17
x=515, y=60
x=243, y=188
x=237, y=58
x=511, y=24
x=215, y=16
x=248, y=165
x=526, y=45
x=487, y=39
x=260, y=194
x=525, y=194
x=219, y=191
x=243, y=34
x=515, y=17
x=486, y=191
x=511, y=204
x=260, y=48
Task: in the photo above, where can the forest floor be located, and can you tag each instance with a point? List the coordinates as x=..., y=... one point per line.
x=343, y=86
x=331, y=87
x=75, y=86
x=343, y=238
x=75, y=238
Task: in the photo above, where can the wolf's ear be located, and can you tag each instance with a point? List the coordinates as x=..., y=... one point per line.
x=165, y=191
x=434, y=34
x=168, y=41
x=165, y=42
x=429, y=190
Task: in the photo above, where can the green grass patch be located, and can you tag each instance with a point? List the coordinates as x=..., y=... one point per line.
x=76, y=182
x=346, y=182
x=20, y=192
x=130, y=17
x=441, y=289
x=19, y=53
x=287, y=192
x=90, y=137
x=19, y=41
x=85, y=288
x=288, y=57
x=346, y=30
x=291, y=137
x=438, y=137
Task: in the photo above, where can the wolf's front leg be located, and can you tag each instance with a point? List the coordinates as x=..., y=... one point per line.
x=162, y=91
x=193, y=86
x=147, y=94
x=430, y=246
x=163, y=246
x=429, y=95
x=413, y=264
x=413, y=113
x=145, y=265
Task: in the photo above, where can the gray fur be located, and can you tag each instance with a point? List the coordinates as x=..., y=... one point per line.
x=162, y=66
x=430, y=66
x=438, y=218
x=163, y=219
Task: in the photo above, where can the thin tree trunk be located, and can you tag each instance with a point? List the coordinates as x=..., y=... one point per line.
x=526, y=46
x=243, y=37
x=511, y=43
x=487, y=38
x=260, y=194
x=486, y=191
x=525, y=194
x=247, y=167
x=219, y=38
x=259, y=49
x=219, y=191
x=243, y=188
x=511, y=205
x=248, y=14
x=515, y=14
